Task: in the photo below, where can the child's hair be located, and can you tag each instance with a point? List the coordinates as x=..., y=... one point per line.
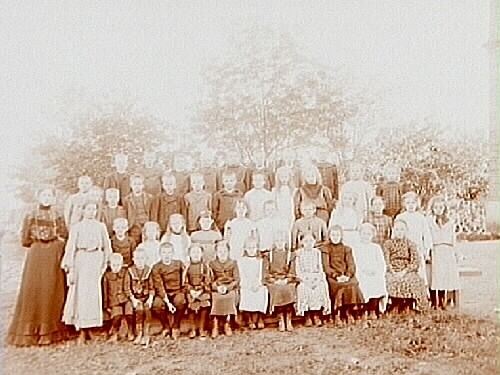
x=172, y=218
x=396, y=222
x=410, y=195
x=169, y=233
x=220, y=244
x=43, y=188
x=336, y=228
x=152, y=224
x=84, y=177
x=311, y=167
x=137, y=176
x=206, y=214
x=197, y=246
x=441, y=219
x=239, y=202
x=119, y=220
x=169, y=176
x=197, y=176
x=115, y=257
x=139, y=251
x=90, y=202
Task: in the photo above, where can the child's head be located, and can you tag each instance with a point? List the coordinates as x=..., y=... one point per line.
x=177, y=223
x=269, y=208
x=259, y=157
x=137, y=183
x=240, y=208
x=251, y=246
x=258, y=180
x=84, y=184
x=281, y=238
x=169, y=183
x=120, y=162
x=150, y=231
x=120, y=226
x=112, y=196
x=139, y=257
x=308, y=241
x=366, y=232
x=410, y=201
x=195, y=253
x=399, y=229
x=307, y=209
x=283, y=176
x=310, y=175
x=166, y=252
x=438, y=206
x=377, y=205
x=335, y=234
x=46, y=196
x=116, y=262
x=197, y=182
x=222, y=251
x=205, y=220
x=90, y=210
x=149, y=159
x=349, y=199
x=392, y=173
x=228, y=180
x=356, y=171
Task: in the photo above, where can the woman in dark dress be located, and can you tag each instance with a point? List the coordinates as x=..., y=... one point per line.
x=37, y=316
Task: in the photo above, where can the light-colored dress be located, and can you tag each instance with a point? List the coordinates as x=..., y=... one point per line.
x=444, y=267
x=284, y=198
x=255, y=200
x=152, y=250
x=364, y=191
x=87, y=251
x=349, y=220
x=251, y=274
x=370, y=270
x=237, y=231
x=312, y=291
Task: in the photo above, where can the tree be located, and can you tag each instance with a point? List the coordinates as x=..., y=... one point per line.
x=268, y=97
x=88, y=146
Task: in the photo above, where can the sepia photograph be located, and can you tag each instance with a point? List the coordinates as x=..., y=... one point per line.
x=249, y=187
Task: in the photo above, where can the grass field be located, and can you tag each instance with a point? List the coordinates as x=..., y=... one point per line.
x=458, y=342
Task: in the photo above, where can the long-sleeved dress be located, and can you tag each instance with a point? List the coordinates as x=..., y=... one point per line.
x=444, y=266
x=338, y=261
x=39, y=306
x=251, y=270
x=280, y=278
x=86, y=254
x=225, y=274
x=312, y=291
x=198, y=278
x=401, y=255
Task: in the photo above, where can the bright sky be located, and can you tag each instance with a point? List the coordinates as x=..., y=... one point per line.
x=426, y=56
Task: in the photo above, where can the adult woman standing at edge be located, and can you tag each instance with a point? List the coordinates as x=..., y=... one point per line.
x=85, y=261
x=39, y=307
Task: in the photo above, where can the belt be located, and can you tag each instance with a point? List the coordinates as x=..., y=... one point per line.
x=88, y=250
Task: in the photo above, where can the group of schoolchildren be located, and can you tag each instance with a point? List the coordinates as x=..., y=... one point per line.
x=226, y=247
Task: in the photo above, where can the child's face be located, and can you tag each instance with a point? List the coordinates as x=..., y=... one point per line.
x=378, y=206
x=46, y=197
x=308, y=242
x=196, y=254
x=90, y=211
x=166, y=254
x=116, y=265
x=149, y=159
x=366, y=235
x=269, y=210
x=121, y=162
x=335, y=236
x=356, y=173
x=137, y=185
x=206, y=223
x=229, y=182
x=252, y=248
x=197, y=184
x=120, y=227
x=438, y=208
x=139, y=259
x=310, y=177
x=112, y=197
x=84, y=184
x=241, y=210
x=169, y=185
x=308, y=211
x=258, y=181
x=399, y=230
x=176, y=224
x=222, y=253
x=150, y=232
x=411, y=205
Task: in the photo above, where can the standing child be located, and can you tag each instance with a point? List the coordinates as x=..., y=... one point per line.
x=256, y=197
x=312, y=291
x=138, y=207
x=198, y=286
x=288, y=160
x=363, y=189
x=151, y=173
x=224, y=200
x=444, y=266
x=312, y=191
x=340, y=270
x=207, y=236
x=168, y=202
x=379, y=220
x=121, y=242
x=284, y=194
x=119, y=179
x=281, y=280
x=329, y=173
x=150, y=243
x=348, y=218
x=225, y=285
x=237, y=230
x=169, y=304
x=180, y=170
x=111, y=209
x=370, y=271
x=141, y=293
x=40, y=301
x=253, y=292
x=196, y=201
x=85, y=261
x=233, y=165
x=73, y=208
x=390, y=191
x=116, y=282
x=177, y=236
x=308, y=223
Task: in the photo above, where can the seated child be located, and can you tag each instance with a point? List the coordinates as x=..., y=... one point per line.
x=207, y=236
x=121, y=242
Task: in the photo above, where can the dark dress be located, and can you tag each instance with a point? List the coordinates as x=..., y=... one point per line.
x=40, y=303
x=280, y=265
x=338, y=261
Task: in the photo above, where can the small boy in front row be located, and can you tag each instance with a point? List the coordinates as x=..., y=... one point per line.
x=141, y=294
x=116, y=303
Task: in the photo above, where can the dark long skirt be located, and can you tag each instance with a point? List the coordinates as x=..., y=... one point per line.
x=39, y=307
x=343, y=294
